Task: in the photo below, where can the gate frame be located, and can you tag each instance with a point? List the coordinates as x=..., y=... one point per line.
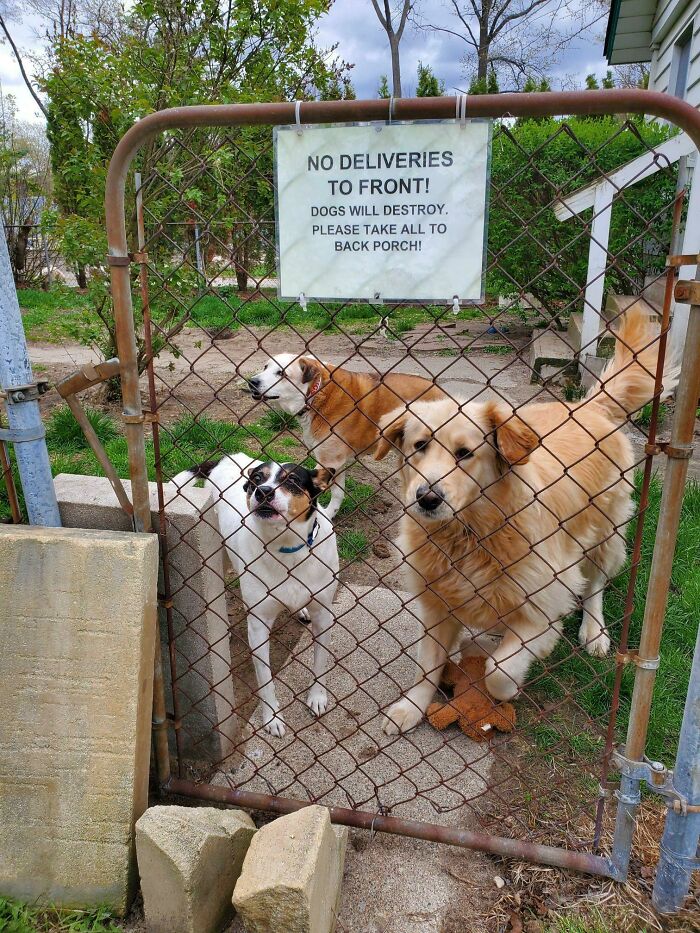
x=635, y=768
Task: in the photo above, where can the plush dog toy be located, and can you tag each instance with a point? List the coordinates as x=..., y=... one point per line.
x=477, y=713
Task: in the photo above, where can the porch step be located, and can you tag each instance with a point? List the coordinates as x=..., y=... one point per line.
x=551, y=355
x=618, y=304
x=654, y=292
x=606, y=341
x=591, y=369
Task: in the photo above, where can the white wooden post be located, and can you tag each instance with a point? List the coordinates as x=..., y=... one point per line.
x=597, y=264
x=691, y=245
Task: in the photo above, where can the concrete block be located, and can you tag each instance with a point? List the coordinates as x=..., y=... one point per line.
x=292, y=875
x=77, y=636
x=204, y=687
x=189, y=861
x=551, y=349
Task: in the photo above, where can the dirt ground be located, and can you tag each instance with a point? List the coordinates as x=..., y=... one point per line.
x=393, y=884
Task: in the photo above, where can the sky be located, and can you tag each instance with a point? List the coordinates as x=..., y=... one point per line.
x=353, y=26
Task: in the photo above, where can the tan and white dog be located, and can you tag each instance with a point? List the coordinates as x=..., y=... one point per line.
x=339, y=410
x=511, y=518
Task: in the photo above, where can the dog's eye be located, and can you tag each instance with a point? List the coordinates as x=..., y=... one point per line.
x=421, y=445
x=279, y=372
x=462, y=453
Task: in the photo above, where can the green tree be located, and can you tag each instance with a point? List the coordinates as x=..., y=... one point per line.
x=216, y=197
x=428, y=84
x=383, y=89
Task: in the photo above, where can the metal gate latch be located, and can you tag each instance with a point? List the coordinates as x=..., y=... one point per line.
x=656, y=775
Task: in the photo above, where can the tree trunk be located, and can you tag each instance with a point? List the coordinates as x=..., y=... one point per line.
x=81, y=276
x=395, y=65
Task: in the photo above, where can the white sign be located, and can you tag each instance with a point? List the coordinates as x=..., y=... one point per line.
x=382, y=211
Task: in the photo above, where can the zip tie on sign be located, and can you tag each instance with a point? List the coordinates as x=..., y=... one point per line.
x=297, y=116
x=455, y=305
x=461, y=109
x=302, y=301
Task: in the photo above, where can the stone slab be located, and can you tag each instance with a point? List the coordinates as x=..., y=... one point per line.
x=189, y=861
x=204, y=689
x=292, y=875
x=77, y=635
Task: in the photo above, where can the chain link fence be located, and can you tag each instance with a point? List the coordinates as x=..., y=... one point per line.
x=421, y=525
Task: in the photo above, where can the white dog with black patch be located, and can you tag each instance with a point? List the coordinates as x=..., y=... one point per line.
x=284, y=549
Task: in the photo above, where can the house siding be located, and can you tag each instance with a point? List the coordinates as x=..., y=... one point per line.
x=671, y=20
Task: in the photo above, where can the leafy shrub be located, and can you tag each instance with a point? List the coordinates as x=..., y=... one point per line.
x=537, y=162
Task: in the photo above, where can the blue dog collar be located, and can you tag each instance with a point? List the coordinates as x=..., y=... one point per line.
x=308, y=543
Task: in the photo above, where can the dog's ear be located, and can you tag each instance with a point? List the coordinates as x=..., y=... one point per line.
x=515, y=440
x=310, y=369
x=392, y=431
x=322, y=477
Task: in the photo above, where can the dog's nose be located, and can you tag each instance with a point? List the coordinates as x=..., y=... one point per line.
x=428, y=498
x=264, y=493
x=254, y=382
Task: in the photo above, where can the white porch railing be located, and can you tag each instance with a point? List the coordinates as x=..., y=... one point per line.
x=600, y=196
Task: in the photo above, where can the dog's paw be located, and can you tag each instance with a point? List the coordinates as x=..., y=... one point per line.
x=273, y=724
x=303, y=616
x=401, y=717
x=594, y=639
x=317, y=700
x=499, y=683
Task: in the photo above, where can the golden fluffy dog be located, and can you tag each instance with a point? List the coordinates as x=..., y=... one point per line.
x=512, y=518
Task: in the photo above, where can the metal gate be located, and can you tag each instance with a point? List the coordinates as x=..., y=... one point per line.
x=193, y=239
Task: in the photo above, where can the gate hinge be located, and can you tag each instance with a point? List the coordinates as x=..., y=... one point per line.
x=631, y=656
x=687, y=292
x=656, y=776
x=678, y=452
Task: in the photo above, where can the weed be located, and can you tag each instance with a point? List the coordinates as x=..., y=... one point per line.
x=352, y=545
x=279, y=421
x=498, y=349
x=16, y=917
x=573, y=392
x=62, y=430
x=643, y=416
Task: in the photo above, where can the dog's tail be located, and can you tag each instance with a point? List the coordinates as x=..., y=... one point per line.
x=627, y=382
x=199, y=472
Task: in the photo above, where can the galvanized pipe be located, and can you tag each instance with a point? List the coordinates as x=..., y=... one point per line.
x=430, y=832
x=23, y=413
x=629, y=795
x=679, y=843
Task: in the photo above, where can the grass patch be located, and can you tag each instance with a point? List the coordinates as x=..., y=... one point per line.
x=352, y=545
x=19, y=918
x=52, y=315
x=64, y=313
x=62, y=430
x=590, y=680
x=643, y=416
x=498, y=349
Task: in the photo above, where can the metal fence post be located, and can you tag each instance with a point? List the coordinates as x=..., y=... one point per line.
x=678, y=452
x=679, y=843
x=26, y=430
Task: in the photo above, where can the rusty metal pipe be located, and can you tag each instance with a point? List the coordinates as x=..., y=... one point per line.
x=160, y=721
x=6, y=470
x=430, y=832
